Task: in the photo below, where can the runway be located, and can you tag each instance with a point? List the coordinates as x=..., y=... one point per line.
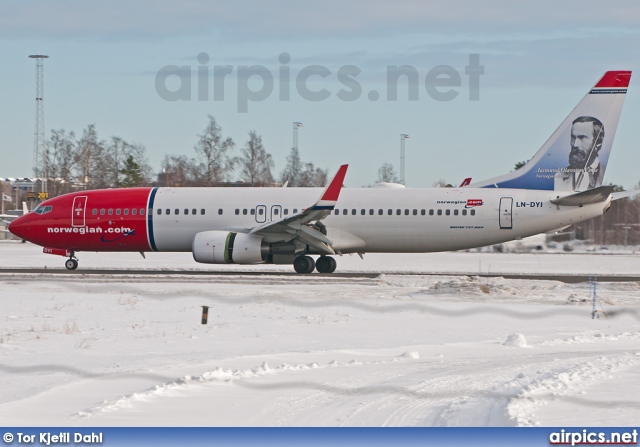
x=152, y=273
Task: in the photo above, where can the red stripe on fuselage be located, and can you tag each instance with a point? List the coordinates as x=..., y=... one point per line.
x=108, y=222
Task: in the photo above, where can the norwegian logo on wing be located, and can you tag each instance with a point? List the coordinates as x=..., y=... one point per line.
x=472, y=203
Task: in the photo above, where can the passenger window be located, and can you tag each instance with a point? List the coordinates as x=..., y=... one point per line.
x=423, y=212
x=286, y=211
x=415, y=212
x=110, y=211
x=455, y=212
x=134, y=211
x=464, y=212
x=177, y=211
x=126, y=211
x=406, y=212
x=295, y=210
x=261, y=211
x=186, y=212
x=237, y=211
x=142, y=211
x=336, y=212
x=168, y=211
x=194, y=212
x=439, y=212
x=390, y=212
x=430, y=212
x=102, y=211
x=398, y=212
x=118, y=211
x=276, y=211
x=371, y=212
x=473, y=212
x=448, y=212
x=345, y=212
x=94, y=211
x=363, y=211
x=380, y=212
x=253, y=211
x=202, y=211
x=159, y=211
x=219, y=211
x=354, y=212
x=244, y=212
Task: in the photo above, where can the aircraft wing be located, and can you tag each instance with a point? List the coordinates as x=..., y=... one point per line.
x=595, y=195
x=294, y=226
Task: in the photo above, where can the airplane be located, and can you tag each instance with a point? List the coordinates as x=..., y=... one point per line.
x=559, y=186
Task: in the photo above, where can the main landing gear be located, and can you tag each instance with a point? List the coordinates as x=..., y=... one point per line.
x=71, y=264
x=306, y=264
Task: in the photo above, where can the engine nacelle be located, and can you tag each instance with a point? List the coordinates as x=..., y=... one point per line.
x=223, y=247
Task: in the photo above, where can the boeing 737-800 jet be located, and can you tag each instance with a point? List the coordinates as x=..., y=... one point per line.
x=561, y=185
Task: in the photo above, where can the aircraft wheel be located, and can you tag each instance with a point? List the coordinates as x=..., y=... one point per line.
x=304, y=264
x=326, y=264
x=334, y=264
x=71, y=264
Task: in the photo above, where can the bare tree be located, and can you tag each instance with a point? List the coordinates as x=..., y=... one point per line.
x=118, y=150
x=386, y=174
x=88, y=151
x=60, y=160
x=293, y=169
x=179, y=170
x=214, y=152
x=312, y=176
x=115, y=156
x=101, y=175
x=255, y=162
x=298, y=173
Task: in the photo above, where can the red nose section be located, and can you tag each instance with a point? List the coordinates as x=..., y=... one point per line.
x=18, y=228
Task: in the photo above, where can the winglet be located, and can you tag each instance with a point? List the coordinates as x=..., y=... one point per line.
x=332, y=192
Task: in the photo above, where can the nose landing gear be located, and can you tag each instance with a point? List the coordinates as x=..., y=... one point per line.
x=71, y=264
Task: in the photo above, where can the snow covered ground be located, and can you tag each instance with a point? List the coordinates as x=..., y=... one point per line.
x=396, y=350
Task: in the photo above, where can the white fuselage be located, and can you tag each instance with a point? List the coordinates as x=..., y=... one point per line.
x=371, y=219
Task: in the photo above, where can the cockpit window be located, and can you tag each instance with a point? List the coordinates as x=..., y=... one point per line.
x=43, y=209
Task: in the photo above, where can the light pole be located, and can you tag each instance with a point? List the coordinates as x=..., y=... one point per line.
x=403, y=137
x=295, y=134
x=39, y=144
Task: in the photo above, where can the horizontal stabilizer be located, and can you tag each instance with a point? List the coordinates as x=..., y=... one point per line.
x=624, y=194
x=590, y=196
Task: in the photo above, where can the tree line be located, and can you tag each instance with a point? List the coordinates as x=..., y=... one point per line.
x=88, y=162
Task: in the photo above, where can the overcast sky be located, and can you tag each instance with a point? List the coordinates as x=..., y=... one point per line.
x=539, y=59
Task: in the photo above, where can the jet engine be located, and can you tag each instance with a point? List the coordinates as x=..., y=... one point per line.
x=223, y=247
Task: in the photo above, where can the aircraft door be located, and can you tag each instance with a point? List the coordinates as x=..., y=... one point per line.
x=261, y=213
x=79, y=211
x=506, y=213
x=276, y=212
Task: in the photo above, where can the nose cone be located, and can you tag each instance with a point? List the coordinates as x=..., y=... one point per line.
x=18, y=227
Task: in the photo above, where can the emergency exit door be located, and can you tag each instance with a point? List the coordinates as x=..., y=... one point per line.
x=506, y=213
x=78, y=213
